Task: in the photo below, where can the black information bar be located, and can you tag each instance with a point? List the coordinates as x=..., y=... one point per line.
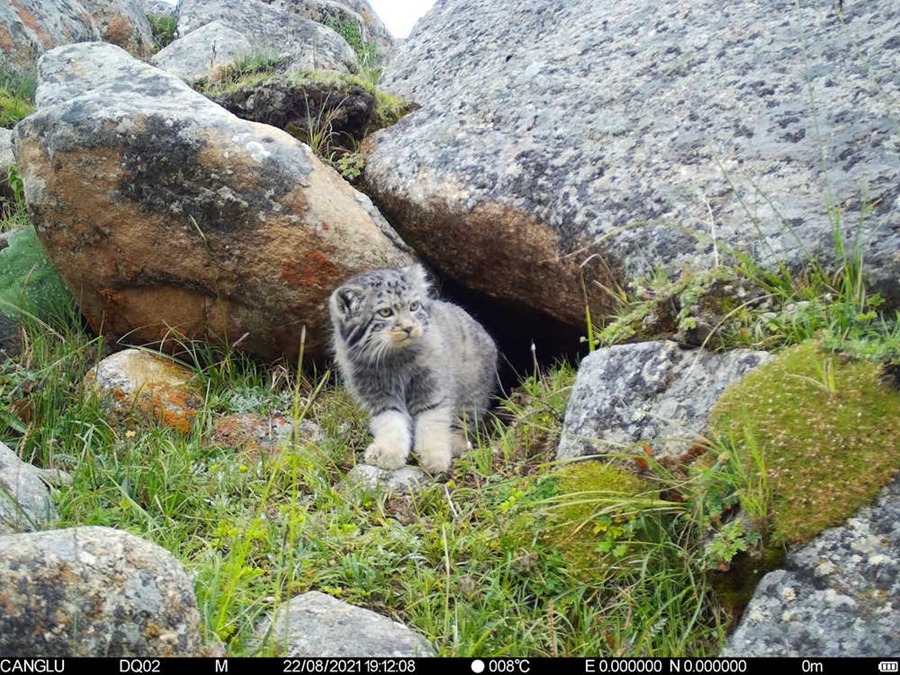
x=454, y=666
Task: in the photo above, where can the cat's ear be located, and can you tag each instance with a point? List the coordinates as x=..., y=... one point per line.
x=347, y=299
x=419, y=278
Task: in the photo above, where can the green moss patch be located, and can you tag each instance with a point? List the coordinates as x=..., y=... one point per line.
x=28, y=280
x=592, y=515
x=828, y=429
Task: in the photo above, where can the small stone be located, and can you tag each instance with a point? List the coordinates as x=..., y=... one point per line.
x=315, y=624
x=404, y=480
x=137, y=383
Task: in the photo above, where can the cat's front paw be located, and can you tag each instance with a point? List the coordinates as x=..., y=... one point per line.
x=435, y=462
x=384, y=457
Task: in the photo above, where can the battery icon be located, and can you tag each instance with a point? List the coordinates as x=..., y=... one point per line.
x=887, y=667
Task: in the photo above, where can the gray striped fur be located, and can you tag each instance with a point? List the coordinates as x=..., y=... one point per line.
x=423, y=369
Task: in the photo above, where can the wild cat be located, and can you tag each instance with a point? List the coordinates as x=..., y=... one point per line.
x=423, y=369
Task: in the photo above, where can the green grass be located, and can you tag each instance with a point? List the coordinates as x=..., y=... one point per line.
x=482, y=564
x=251, y=67
x=369, y=61
x=17, y=87
x=163, y=27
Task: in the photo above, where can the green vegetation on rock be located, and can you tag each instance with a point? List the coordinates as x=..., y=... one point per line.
x=828, y=428
x=29, y=283
x=162, y=26
x=352, y=33
x=13, y=108
x=329, y=111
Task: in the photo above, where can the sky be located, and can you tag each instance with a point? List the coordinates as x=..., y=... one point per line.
x=400, y=15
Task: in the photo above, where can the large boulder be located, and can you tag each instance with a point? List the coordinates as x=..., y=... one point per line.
x=28, y=27
x=169, y=217
x=562, y=148
x=94, y=591
x=123, y=23
x=203, y=52
x=158, y=7
x=306, y=44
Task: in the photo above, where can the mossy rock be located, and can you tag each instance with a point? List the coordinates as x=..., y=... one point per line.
x=29, y=283
x=349, y=106
x=827, y=428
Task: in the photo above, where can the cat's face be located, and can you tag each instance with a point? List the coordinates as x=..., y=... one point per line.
x=381, y=313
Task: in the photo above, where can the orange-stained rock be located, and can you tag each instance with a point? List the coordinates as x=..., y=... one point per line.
x=135, y=384
x=259, y=434
x=170, y=218
x=28, y=27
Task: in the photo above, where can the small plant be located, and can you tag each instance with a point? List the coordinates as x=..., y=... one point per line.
x=350, y=165
x=162, y=27
x=255, y=65
x=353, y=34
x=731, y=539
x=17, y=88
x=711, y=308
x=14, y=212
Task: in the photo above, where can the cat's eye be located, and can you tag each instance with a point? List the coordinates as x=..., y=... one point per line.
x=386, y=312
x=414, y=306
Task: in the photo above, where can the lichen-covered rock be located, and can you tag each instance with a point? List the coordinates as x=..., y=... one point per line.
x=260, y=434
x=29, y=27
x=315, y=624
x=651, y=393
x=25, y=502
x=203, y=52
x=338, y=12
x=271, y=30
x=135, y=383
x=94, y=591
x=838, y=596
x=598, y=141
x=123, y=23
x=167, y=216
x=158, y=7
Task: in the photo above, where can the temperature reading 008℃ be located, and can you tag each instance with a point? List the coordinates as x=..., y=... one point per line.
x=501, y=666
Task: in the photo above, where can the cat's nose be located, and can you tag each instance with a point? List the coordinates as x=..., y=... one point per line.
x=407, y=329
